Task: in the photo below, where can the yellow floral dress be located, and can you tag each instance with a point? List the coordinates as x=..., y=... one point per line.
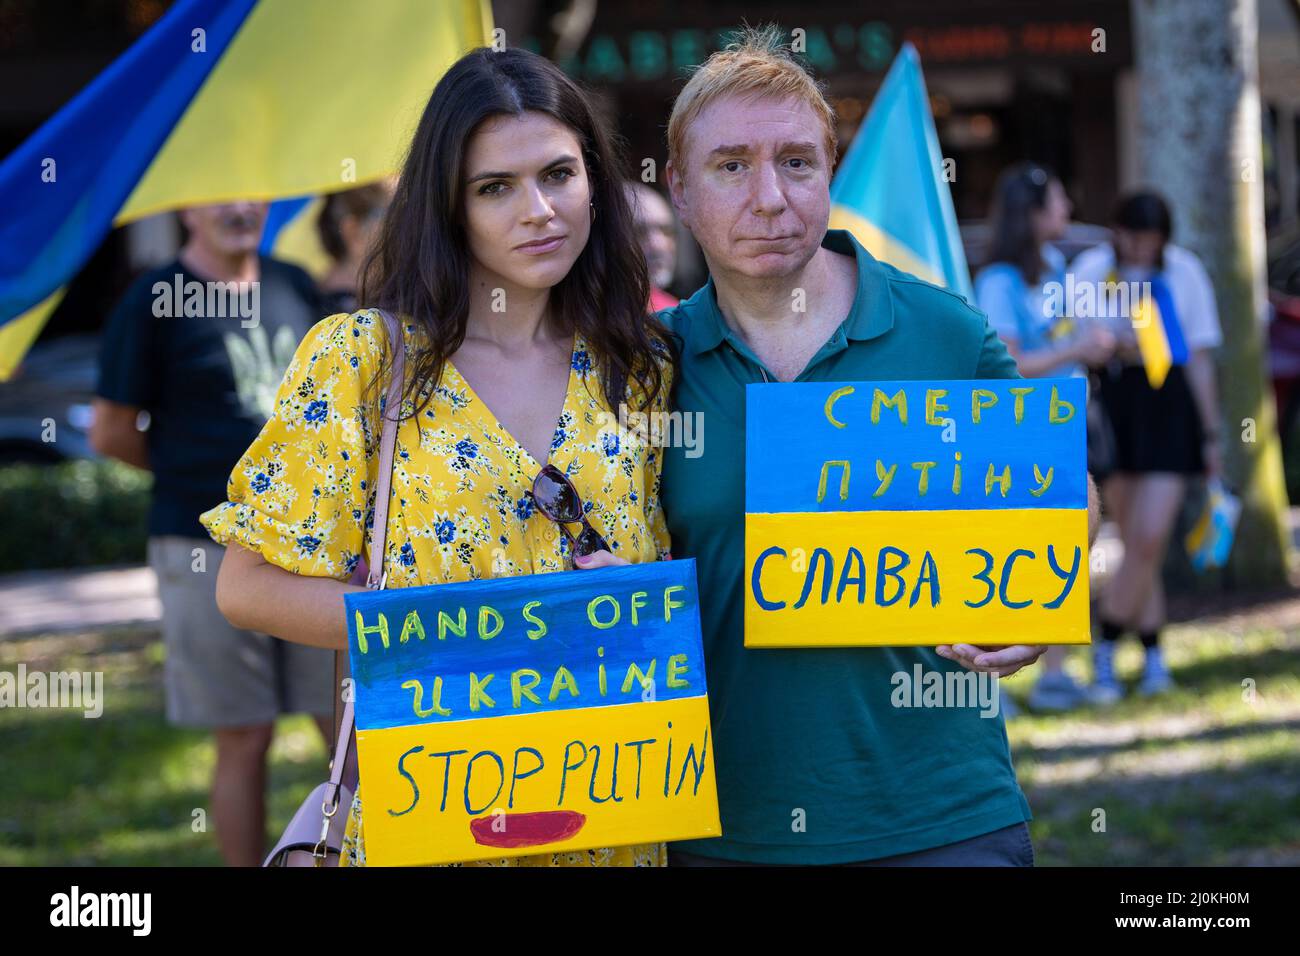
x=461, y=507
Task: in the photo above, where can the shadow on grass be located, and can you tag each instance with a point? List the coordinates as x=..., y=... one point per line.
x=1239, y=815
x=1272, y=663
x=1236, y=732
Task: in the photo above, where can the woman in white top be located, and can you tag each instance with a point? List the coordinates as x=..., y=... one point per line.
x=1165, y=430
x=1021, y=292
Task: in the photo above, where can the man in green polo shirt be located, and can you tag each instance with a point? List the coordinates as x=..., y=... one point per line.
x=814, y=765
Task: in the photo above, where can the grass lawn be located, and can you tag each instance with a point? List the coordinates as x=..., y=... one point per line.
x=123, y=789
x=1206, y=775
x=1201, y=776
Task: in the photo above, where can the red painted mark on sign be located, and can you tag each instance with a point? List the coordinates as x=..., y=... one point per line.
x=526, y=829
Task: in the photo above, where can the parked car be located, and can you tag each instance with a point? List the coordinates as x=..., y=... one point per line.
x=1284, y=330
x=45, y=409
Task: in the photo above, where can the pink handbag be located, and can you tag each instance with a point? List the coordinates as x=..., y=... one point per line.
x=314, y=836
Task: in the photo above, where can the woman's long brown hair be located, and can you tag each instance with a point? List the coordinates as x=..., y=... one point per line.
x=419, y=265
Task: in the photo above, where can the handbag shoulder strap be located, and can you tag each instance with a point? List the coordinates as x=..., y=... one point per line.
x=391, y=411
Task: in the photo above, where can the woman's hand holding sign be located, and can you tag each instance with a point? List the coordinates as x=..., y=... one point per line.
x=598, y=559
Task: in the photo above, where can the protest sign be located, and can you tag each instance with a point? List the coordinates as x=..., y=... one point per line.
x=918, y=512
x=541, y=713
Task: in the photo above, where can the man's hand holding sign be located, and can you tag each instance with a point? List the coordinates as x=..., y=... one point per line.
x=1005, y=661
x=882, y=513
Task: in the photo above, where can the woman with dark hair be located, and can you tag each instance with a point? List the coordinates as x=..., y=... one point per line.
x=1022, y=292
x=510, y=257
x=346, y=225
x=1163, y=413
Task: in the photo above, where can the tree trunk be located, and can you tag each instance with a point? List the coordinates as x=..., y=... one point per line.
x=1199, y=141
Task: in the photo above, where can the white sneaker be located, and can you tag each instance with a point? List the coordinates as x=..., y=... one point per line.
x=1155, y=676
x=1057, y=692
x=1105, y=690
x=1105, y=693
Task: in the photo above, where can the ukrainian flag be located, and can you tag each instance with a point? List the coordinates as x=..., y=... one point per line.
x=1159, y=333
x=220, y=100
x=889, y=191
x=290, y=234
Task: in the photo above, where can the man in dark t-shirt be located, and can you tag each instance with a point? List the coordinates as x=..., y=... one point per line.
x=207, y=382
x=201, y=345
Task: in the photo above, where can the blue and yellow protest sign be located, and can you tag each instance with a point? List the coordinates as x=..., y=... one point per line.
x=541, y=713
x=922, y=512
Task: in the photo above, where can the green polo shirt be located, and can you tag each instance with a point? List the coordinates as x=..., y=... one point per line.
x=814, y=764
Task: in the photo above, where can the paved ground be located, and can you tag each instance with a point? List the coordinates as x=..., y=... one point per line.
x=55, y=601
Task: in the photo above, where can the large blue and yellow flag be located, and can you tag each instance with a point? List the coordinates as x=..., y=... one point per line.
x=220, y=100
x=889, y=190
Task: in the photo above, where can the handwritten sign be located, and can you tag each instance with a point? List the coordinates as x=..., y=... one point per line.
x=897, y=513
x=543, y=713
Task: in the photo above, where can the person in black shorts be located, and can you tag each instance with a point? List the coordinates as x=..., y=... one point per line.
x=1166, y=430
